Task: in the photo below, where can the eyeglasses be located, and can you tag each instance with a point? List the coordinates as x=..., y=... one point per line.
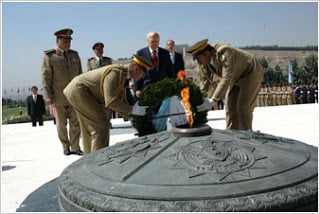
x=98, y=49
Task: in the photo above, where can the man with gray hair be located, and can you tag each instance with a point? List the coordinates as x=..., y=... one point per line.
x=160, y=58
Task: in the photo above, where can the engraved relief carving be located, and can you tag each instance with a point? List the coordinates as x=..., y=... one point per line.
x=216, y=159
x=136, y=148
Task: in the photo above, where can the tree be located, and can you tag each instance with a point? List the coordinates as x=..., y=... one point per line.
x=308, y=72
x=263, y=62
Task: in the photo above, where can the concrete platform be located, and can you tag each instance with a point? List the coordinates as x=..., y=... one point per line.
x=32, y=158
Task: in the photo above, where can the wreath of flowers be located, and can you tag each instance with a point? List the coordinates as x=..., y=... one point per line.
x=153, y=95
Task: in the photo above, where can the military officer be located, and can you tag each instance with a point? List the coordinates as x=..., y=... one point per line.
x=273, y=95
x=290, y=94
x=278, y=95
x=241, y=76
x=98, y=60
x=59, y=66
x=284, y=94
x=267, y=96
x=105, y=87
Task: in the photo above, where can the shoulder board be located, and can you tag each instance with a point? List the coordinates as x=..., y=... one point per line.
x=91, y=58
x=50, y=51
x=106, y=57
x=73, y=51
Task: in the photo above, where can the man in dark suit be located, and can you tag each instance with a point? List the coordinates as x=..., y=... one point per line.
x=36, y=107
x=176, y=58
x=162, y=66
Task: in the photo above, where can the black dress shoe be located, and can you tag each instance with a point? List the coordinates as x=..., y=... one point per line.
x=66, y=151
x=78, y=152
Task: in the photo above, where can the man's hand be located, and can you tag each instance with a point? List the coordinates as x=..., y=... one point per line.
x=206, y=105
x=139, y=110
x=138, y=92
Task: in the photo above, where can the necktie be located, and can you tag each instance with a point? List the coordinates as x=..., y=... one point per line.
x=66, y=55
x=100, y=61
x=35, y=98
x=154, y=60
x=172, y=58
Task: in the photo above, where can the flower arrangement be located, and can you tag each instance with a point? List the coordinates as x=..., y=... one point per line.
x=153, y=95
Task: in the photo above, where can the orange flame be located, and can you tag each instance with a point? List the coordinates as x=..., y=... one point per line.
x=181, y=74
x=185, y=95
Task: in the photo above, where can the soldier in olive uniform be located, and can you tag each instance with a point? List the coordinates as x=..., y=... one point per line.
x=99, y=60
x=284, y=94
x=278, y=95
x=208, y=81
x=273, y=93
x=241, y=76
x=59, y=67
x=267, y=96
x=105, y=87
x=289, y=94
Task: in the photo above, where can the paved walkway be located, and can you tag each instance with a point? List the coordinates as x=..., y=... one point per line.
x=32, y=158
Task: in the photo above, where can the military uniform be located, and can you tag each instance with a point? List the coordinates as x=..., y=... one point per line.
x=92, y=92
x=290, y=95
x=59, y=67
x=266, y=96
x=241, y=76
x=95, y=62
x=273, y=95
x=284, y=95
x=208, y=81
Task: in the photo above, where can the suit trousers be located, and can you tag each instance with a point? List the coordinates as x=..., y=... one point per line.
x=36, y=118
x=94, y=121
x=63, y=115
x=241, y=101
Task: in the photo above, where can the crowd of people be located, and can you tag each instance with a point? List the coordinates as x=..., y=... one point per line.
x=287, y=94
x=86, y=100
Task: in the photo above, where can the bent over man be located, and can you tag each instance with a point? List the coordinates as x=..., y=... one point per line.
x=92, y=92
x=241, y=76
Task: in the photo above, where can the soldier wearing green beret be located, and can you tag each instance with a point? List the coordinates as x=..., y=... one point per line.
x=59, y=66
x=92, y=92
x=241, y=76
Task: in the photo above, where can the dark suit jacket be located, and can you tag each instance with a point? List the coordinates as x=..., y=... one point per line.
x=178, y=64
x=152, y=76
x=38, y=108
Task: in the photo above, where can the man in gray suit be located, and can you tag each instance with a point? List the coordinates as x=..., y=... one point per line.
x=59, y=66
x=176, y=58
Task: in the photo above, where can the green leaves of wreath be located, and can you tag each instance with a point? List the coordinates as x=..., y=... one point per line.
x=154, y=94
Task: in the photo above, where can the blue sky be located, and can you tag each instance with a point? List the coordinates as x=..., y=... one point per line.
x=28, y=28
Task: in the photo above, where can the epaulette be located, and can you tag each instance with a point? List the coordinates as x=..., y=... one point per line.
x=73, y=51
x=51, y=51
x=91, y=58
x=106, y=58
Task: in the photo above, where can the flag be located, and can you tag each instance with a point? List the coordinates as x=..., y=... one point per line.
x=290, y=72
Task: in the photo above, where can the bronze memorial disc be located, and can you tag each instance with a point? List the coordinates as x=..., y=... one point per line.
x=220, y=170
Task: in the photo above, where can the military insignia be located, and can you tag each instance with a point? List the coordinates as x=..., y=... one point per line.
x=58, y=52
x=49, y=51
x=222, y=58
